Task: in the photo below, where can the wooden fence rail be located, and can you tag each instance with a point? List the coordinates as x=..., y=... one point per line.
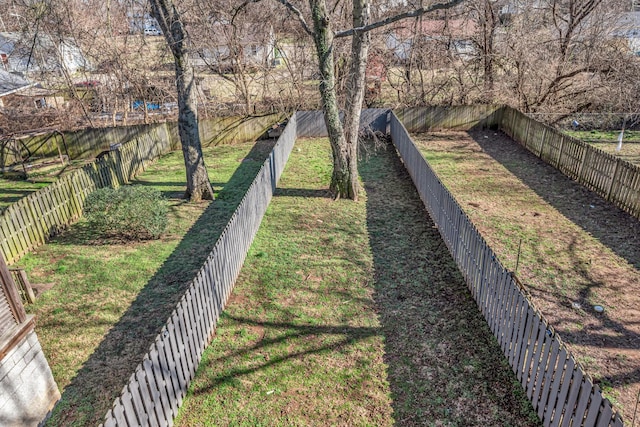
x=560, y=391
x=614, y=179
x=157, y=387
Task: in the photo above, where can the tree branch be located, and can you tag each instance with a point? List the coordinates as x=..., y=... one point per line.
x=298, y=14
x=392, y=19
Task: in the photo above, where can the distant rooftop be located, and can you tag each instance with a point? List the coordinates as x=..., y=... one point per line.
x=11, y=83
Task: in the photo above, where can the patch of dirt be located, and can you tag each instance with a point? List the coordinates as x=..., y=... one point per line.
x=573, y=249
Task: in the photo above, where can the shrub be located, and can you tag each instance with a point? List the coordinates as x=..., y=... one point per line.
x=130, y=212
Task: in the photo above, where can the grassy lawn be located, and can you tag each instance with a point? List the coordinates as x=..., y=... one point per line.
x=108, y=300
x=351, y=314
x=573, y=249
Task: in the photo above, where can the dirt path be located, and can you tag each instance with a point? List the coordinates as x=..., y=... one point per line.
x=576, y=250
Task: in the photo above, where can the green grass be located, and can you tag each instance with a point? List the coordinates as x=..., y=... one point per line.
x=607, y=141
x=344, y=314
x=109, y=300
x=604, y=135
x=351, y=314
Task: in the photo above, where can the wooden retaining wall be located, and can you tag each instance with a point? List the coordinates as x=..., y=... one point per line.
x=559, y=389
x=614, y=179
x=157, y=387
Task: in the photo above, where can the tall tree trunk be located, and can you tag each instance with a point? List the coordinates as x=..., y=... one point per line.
x=198, y=184
x=323, y=38
x=355, y=94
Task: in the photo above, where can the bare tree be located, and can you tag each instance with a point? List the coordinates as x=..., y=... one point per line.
x=170, y=21
x=344, y=137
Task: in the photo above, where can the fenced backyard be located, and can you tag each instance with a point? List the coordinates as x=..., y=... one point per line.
x=32, y=220
x=559, y=389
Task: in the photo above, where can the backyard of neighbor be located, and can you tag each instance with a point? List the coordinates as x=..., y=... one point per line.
x=347, y=313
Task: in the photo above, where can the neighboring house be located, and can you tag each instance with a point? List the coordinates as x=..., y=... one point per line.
x=144, y=23
x=452, y=35
x=232, y=47
x=628, y=29
x=24, y=53
x=10, y=85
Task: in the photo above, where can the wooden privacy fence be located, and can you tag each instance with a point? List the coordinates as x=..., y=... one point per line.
x=616, y=180
x=156, y=389
x=461, y=117
x=32, y=220
x=560, y=391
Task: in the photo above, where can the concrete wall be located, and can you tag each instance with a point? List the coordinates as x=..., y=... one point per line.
x=27, y=388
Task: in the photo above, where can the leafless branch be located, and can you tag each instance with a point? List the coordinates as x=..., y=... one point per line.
x=411, y=14
x=288, y=5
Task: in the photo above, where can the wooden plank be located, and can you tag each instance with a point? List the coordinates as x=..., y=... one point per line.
x=530, y=342
x=605, y=415
x=586, y=393
x=202, y=310
x=110, y=420
x=520, y=320
x=196, y=327
x=182, y=355
x=523, y=340
x=169, y=373
x=211, y=296
x=118, y=413
x=503, y=307
x=558, y=379
x=510, y=322
x=129, y=411
x=147, y=396
x=576, y=386
x=595, y=407
x=157, y=389
x=563, y=408
x=134, y=390
x=539, y=360
x=174, y=352
x=186, y=335
x=541, y=394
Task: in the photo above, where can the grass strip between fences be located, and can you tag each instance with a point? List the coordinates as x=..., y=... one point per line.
x=156, y=389
x=558, y=387
x=352, y=313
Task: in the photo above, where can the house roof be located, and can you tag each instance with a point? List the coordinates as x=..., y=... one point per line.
x=11, y=83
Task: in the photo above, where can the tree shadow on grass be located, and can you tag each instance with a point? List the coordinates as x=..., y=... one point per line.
x=91, y=393
x=444, y=366
x=615, y=228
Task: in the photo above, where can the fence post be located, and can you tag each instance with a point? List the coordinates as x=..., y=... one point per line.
x=544, y=134
x=613, y=178
x=560, y=152
x=11, y=292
